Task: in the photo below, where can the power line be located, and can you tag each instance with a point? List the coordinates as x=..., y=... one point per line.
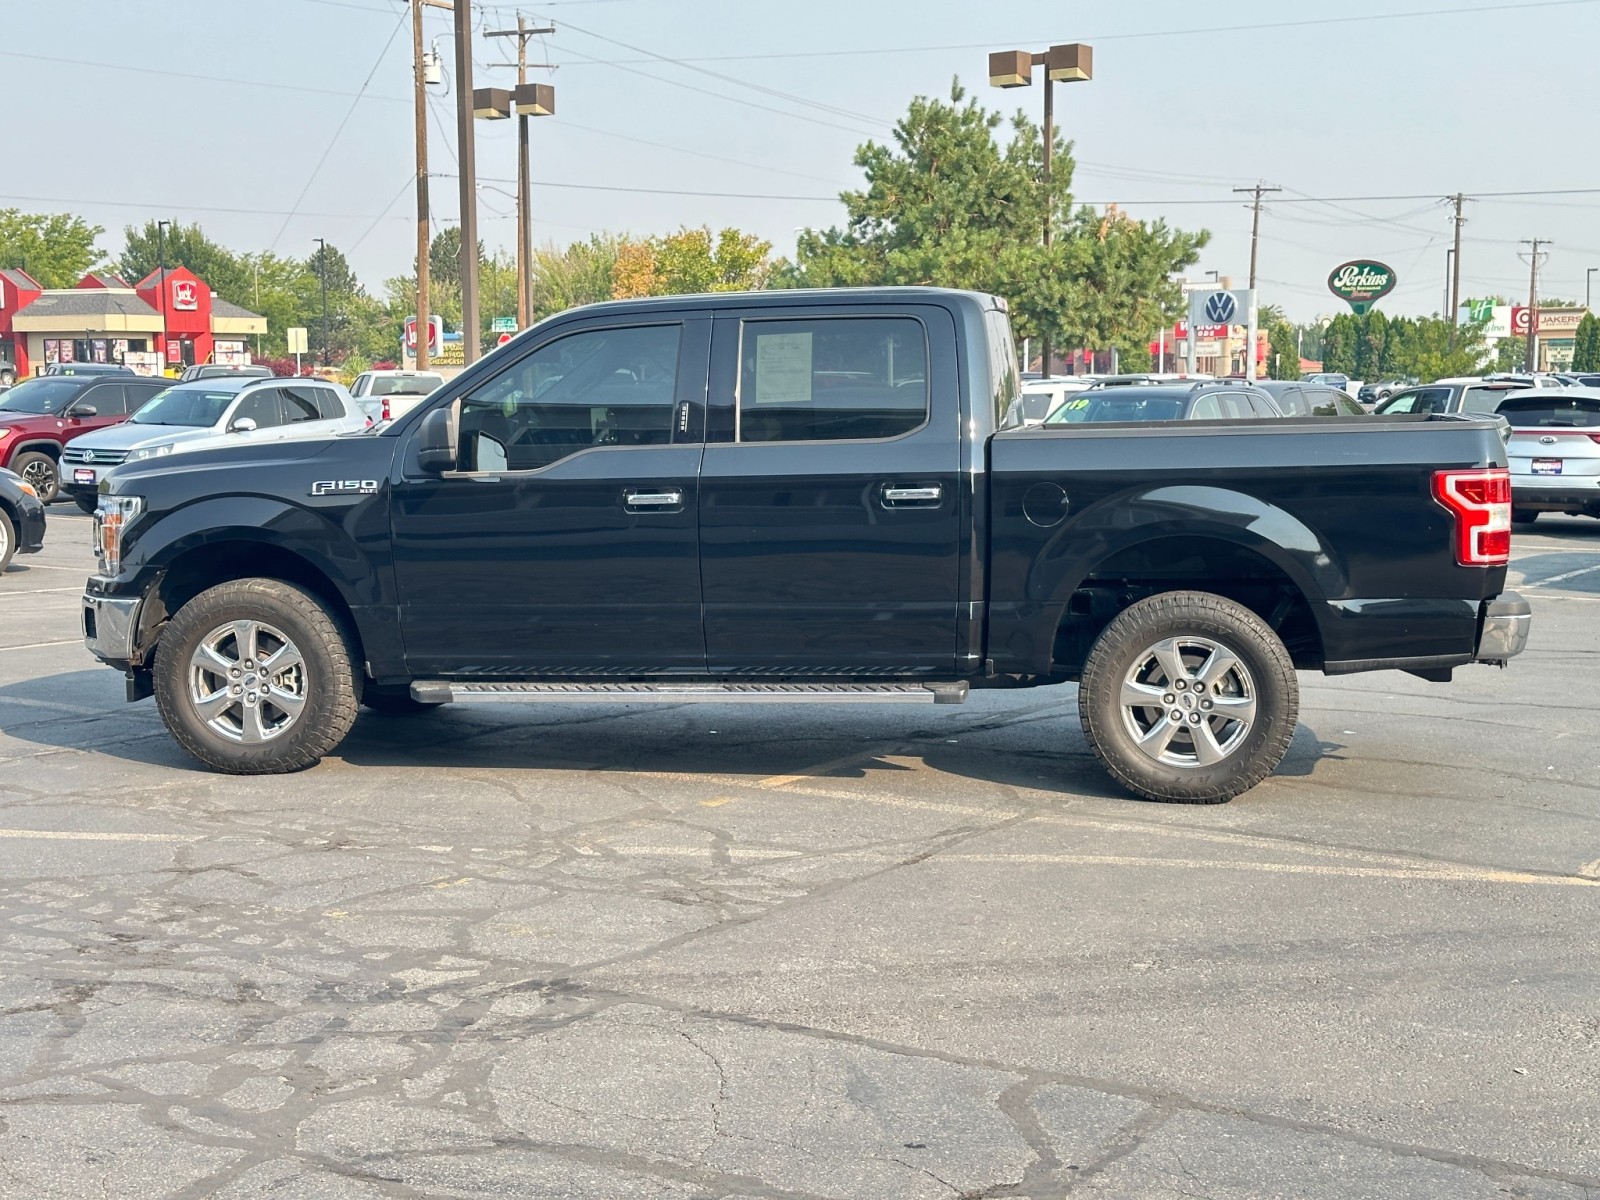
x=334, y=140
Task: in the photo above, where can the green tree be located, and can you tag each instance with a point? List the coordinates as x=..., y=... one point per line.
x=1339, y=344
x=578, y=274
x=1510, y=354
x=1427, y=348
x=55, y=248
x=949, y=204
x=184, y=246
x=1371, y=338
x=1283, y=355
x=1586, y=345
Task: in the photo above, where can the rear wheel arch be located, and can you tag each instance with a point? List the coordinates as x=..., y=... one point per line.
x=1252, y=575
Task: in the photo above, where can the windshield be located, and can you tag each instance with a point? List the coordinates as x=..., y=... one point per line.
x=41, y=396
x=191, y=406
x=1124, y=406
x=403, y=385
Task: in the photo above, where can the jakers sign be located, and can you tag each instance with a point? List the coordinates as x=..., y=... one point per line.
x=1361, y=283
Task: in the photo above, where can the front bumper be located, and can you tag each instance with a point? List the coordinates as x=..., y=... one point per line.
x=1507, y=620
x=111, y=627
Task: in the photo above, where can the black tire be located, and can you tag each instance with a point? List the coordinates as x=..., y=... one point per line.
x=394, y=703
x=40, y=470
x=7, y=377
x=1524, y=517
x=8, y=540
x=87, y=503
x=1250, y=750
x=327, y=682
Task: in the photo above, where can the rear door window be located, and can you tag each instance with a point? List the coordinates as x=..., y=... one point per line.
x=1293, y=401
x=1417, y=400
x=832, y=379
x=107, y=400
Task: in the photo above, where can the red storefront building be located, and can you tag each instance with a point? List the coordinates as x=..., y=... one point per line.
x=167, y=319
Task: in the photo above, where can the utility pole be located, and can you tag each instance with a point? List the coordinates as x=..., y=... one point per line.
x=1449, y=259
x=161, y=264
x=522, y=33
x=424, y=229
x=322, y=270
x=1459, y=201
x=1531, y=361
x=1258, y=191
x=466, y=153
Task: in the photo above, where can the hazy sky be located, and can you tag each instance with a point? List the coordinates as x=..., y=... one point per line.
x=218, y=111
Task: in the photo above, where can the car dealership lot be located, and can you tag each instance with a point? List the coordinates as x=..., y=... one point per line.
x=796, y=952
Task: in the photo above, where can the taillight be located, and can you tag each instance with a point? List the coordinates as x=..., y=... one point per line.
x=386, y=408
x=1481, y=503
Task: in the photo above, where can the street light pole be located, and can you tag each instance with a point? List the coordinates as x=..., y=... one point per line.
x=466, y=155
x=526, y=101
x=1063, y=64
x=322, y=270
x=161, y=266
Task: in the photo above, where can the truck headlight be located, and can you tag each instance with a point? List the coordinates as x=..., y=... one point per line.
x=112, y=516
x=151, y=452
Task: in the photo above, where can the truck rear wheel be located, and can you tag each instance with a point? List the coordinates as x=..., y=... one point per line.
x=1188, y=698
x=253, y=677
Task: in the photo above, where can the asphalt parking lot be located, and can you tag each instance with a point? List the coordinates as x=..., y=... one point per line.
x=803, y=952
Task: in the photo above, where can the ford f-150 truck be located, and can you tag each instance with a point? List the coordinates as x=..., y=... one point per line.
x=799, y=496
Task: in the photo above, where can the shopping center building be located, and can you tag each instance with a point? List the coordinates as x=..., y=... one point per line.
x=170, y=318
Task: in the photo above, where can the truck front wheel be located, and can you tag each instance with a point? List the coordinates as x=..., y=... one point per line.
x=1188, y=698
x=253, y=677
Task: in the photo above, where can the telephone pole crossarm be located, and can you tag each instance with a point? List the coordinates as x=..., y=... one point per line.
x=522, y=33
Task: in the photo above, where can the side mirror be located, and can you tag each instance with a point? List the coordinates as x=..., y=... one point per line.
x=84, y=410
x=242, y=425
x=436, y=442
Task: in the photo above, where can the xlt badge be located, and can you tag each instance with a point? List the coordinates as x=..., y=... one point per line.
x=344, y=487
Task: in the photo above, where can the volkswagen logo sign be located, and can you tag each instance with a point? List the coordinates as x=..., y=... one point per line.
x=1547, y=440
x=1221, y=308
x=88, y=456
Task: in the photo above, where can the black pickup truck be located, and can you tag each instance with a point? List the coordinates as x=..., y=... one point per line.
x=799, y=496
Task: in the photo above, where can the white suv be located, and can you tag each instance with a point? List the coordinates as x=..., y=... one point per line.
x=207, y=413
x=386, y=395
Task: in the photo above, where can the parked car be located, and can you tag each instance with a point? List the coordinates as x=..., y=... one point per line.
x=1041, y=395
x=21, y=518
x=1538, y=379
x=1164, y=402
x=1579, y=380
x=1472, y=395
x=86, y=368
x=1298, y=399
x=40, y=416
x=752, y=496
x=241, y=409
x=1372, y=393
x=1331, y=379
x=222, y=371
x=8, y=372
x=1554, y=452
x=385, y=395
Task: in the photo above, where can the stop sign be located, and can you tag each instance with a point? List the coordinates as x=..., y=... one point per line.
x=503, y=339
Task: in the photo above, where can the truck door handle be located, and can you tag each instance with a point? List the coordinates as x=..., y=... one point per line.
x=672, y=499
x=912, y=495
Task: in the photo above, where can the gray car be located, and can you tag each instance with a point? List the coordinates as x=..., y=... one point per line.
x=1299, y=399
x=187, y=416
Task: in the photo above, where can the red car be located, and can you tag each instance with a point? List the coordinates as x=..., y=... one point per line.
x=39, y=416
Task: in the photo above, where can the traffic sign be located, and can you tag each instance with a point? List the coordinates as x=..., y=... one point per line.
x=502, y=339
x=503, y=325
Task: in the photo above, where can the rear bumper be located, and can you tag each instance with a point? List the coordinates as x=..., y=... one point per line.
x=1507, y=620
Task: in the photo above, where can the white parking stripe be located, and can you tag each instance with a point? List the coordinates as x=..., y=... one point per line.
x=38, y=592
x=77, y=835
x=38, y=645
x=1565, y=576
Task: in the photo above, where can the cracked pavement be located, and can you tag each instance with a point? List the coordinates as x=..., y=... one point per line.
x=721, y=952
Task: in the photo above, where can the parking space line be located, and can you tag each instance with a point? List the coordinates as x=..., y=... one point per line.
x=1590, y=870
x=1440, y=874
x=38, y=592
x=1562, y=578
x=84, y=571
x=77, y=641
x=76, y=835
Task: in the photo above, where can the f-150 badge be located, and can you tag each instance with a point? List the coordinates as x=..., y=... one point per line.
x=344, y=487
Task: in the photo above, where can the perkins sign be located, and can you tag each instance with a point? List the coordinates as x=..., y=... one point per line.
x=1361, y=284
